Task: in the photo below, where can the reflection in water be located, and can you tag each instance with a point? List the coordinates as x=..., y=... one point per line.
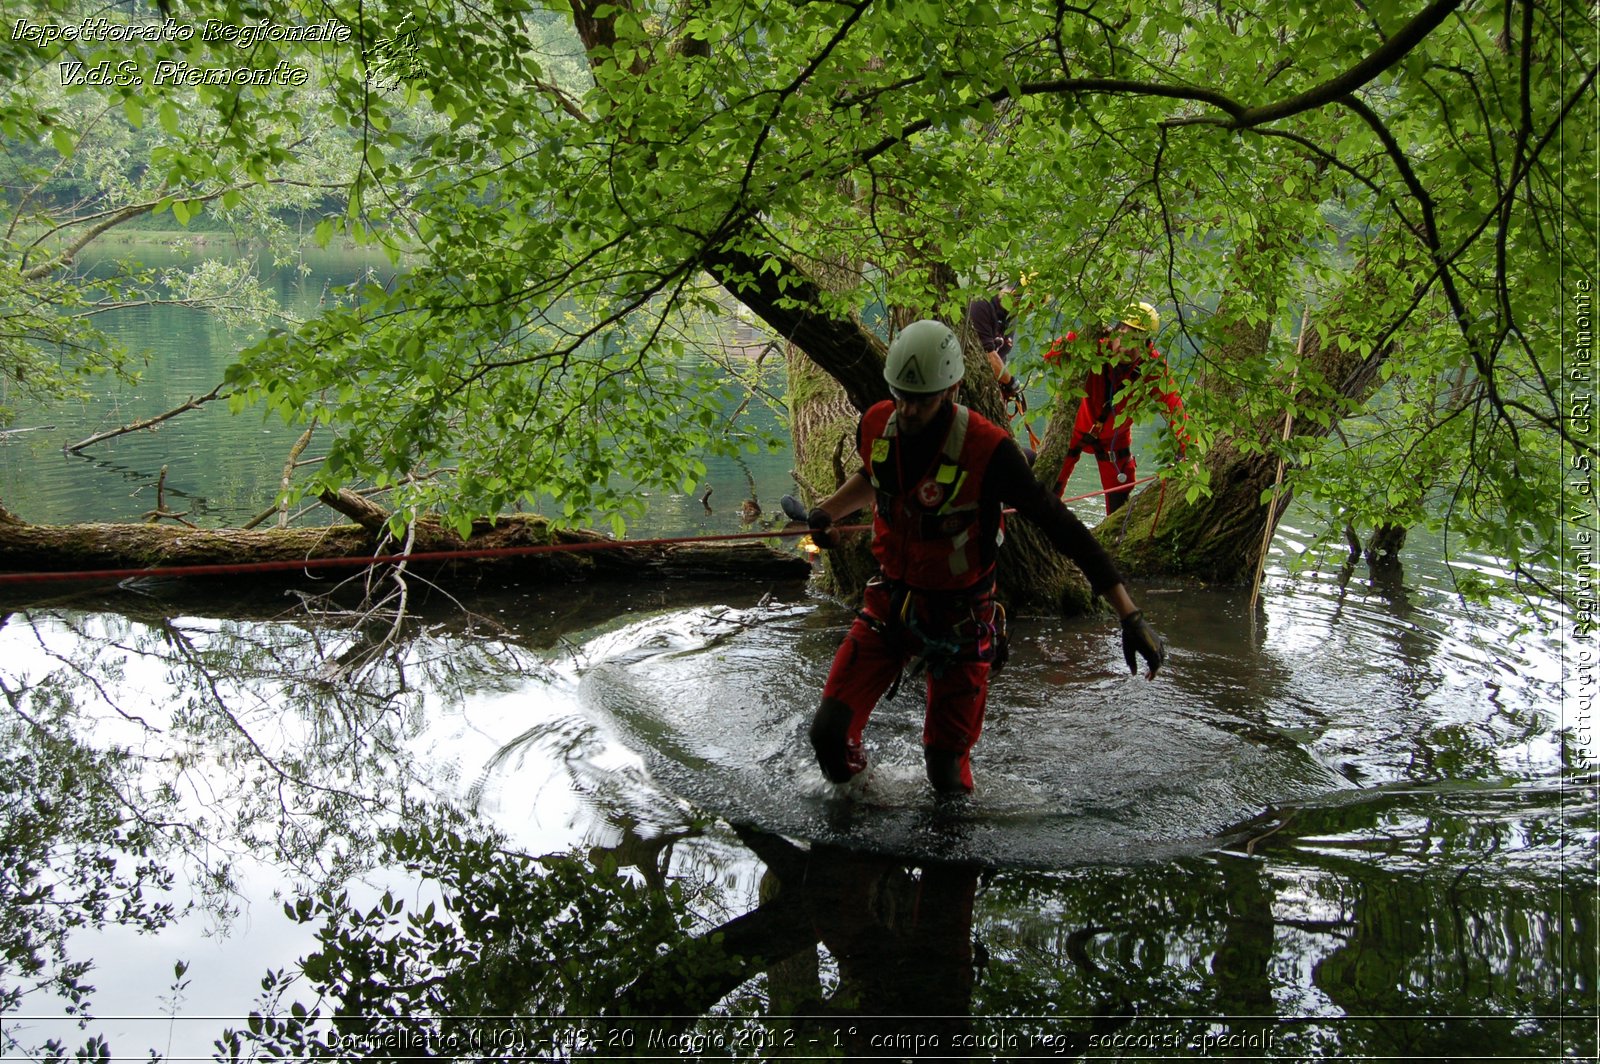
x=1278, y=953
x=902, y=940
x=176, y=761
x=1318, y=839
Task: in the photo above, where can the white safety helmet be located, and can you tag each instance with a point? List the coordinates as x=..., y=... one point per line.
x=924, y=359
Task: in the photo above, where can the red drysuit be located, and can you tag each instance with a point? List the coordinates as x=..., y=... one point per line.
x=1104, y=425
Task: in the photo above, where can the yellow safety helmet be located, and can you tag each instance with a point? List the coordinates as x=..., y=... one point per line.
x=1017, y=283
x=1141, y=316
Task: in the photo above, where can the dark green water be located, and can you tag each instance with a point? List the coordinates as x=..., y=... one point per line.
x=1359, y=824
x=219, y=468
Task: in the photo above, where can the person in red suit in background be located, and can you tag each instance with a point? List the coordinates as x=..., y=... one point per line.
x=1112, y=395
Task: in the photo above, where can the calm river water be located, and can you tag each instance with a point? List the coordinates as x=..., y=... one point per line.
x=1357, y=824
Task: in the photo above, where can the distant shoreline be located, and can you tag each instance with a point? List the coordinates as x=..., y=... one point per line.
x=214, y=238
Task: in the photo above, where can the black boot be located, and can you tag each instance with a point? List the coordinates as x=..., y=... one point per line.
x=947, y=771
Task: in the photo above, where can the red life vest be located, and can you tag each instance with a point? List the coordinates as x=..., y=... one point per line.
x=928, y=532
x=1109, y=390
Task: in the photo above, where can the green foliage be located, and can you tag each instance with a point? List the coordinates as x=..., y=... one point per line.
x=101, y=134
x=511, y=945
x=525, y=414
x=560, y=193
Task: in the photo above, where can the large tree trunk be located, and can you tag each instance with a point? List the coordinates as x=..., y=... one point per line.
x=1220, y=537
x=1216, y=538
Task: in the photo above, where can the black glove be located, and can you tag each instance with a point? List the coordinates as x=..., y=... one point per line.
x=1139, y=638
x=792, y=508
x=1012, y=391
x=821, y=522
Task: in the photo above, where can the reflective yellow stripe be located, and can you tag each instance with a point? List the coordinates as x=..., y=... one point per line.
x=950, y=497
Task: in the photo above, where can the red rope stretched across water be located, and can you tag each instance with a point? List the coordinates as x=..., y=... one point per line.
x=288, y=565
x=1129, y=486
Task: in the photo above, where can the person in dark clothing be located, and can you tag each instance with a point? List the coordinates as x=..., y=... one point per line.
x=938, y=477
x=991, y=320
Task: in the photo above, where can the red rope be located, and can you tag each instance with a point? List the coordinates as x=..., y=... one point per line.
x=287, y=565
x=1160, y=502
x=1120, y=487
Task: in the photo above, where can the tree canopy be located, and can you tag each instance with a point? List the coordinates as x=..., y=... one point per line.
x=576, y=189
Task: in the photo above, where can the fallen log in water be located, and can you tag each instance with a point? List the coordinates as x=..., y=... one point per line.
x=510, y=549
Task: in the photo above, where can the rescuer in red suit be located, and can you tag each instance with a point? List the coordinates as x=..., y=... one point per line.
x=1134, y=372
x=938, y=476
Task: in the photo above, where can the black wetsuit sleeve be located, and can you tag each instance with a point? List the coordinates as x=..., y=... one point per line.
x=1011, y=479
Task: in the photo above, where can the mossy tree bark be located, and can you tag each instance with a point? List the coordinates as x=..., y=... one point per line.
x=1220, y=535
